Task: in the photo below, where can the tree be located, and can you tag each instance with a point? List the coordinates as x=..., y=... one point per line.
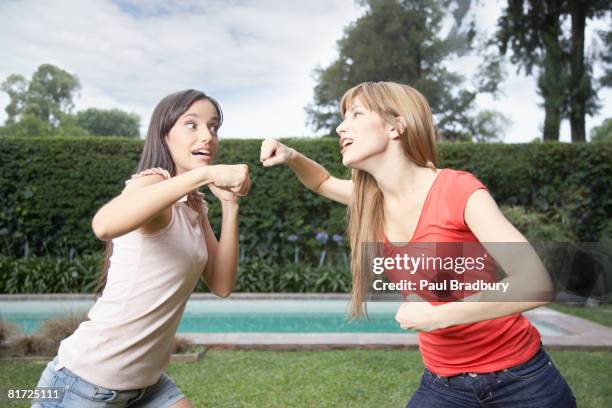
x=16, y=86
x=47, y=96
x=399, y=41
x=488, y=125
x=112, y=122
x=29, y=125
x=69, y=127
x=533, y=30
x=42, y=107
x=32, y=126
x=603, y=132
x=606, y=57
x=583, y=96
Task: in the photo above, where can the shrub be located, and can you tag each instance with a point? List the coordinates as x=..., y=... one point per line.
x=7, y=330
x=57, y=329
x=50, y=189
x=29, y=345
x=606, y=232
x=47, y=274
x=259, y=276
x=538, y=227
x=182, y=345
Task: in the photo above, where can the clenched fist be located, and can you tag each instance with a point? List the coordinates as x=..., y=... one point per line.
x=274, y=152
x=232, y=177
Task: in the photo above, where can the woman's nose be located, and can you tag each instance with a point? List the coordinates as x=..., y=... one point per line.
x=205, y=135
x=340, y=128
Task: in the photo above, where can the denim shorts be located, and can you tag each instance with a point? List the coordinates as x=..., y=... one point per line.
x=534, y=384
x=75, y=392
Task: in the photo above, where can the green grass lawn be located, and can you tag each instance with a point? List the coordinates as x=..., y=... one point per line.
x=347, y=378
x=599, y=314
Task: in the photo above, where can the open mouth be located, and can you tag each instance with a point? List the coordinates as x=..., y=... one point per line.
x=345, y=143
x=200, y=153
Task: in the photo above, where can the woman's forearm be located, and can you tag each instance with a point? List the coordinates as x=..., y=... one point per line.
x=132, y=209
x=523, y=291
x=528, y=287
x=314, y=176
x=225, y=262
x=452, y=314
x=310, y=173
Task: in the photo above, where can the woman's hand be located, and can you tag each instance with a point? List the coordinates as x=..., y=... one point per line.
x=311, y=174
x=232, y=177
x=419, y=316
x=274, y=152
x=225, y=196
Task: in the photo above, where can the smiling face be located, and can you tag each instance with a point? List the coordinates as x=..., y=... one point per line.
x=363, y=135
x=193, y=139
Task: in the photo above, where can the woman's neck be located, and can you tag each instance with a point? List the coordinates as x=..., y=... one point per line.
x=400, y=180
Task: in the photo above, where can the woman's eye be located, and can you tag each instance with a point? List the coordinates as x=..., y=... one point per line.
x=191, y=125
x=356, y=113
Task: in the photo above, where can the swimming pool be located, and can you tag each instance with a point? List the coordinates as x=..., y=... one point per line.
x=267, y=315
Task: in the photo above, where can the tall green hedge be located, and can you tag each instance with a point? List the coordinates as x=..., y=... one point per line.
x=50, y=189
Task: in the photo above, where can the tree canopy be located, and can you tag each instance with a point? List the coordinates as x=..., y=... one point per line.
x=42, y=106
x=47, y=95
x=400, y=41
x=109, y=122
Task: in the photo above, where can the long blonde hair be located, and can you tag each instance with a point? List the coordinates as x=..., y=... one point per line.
x=365, y=214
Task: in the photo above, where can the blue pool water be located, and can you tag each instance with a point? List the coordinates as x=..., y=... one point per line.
x=241, y=315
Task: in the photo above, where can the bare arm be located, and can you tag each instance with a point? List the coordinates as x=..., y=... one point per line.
x=144, y=200
x=526, y=275
x=220, y=271
x=314, y=176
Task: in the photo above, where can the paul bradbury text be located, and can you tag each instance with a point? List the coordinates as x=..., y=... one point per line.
x=446, y=285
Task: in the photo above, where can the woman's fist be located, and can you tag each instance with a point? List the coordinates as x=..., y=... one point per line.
x=232, y=177
x=274, y=152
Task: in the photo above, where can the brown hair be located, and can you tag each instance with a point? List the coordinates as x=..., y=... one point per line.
x=365, y=213
x=157, y=154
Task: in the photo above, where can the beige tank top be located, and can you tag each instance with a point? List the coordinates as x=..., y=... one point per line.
x=126, y=343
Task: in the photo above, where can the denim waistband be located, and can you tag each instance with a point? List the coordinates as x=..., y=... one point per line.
x=85, y=389
x=539, y=354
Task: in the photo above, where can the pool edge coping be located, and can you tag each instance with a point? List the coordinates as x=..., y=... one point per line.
x=584, y=334
x=239, y=295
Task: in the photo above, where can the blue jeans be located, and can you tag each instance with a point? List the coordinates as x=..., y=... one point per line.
x=534, y=384
x=78, y=393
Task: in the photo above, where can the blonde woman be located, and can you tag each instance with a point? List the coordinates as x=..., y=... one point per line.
x=476, y=354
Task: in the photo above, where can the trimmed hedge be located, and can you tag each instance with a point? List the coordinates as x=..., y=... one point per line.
x=44, y=274
x=50, y=189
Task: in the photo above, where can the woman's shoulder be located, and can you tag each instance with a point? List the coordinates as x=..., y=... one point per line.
x=149, y=172
x=458, y=185
x=457, y=173
x=460, y=178
x=454, y=190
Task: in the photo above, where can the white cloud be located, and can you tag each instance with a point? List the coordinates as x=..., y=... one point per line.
x=255, y=57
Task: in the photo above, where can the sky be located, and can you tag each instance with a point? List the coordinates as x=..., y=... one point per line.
x=256, y=58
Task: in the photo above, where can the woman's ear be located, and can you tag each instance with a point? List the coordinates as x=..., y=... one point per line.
x=398, y=128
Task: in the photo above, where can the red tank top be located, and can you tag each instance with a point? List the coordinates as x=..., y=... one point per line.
x=480, y=347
